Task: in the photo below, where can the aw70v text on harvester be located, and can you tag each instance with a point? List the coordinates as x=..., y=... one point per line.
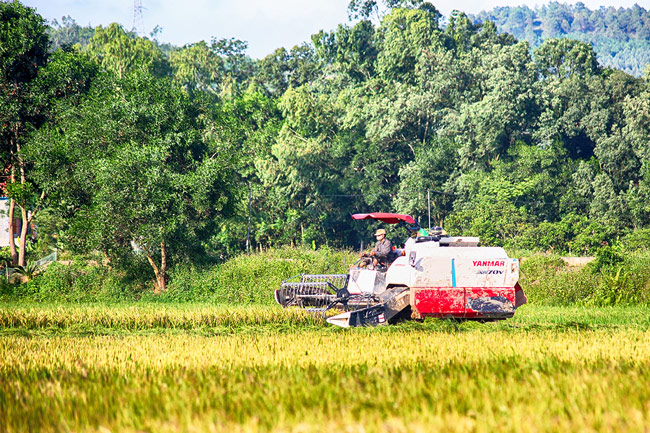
x=433, y=276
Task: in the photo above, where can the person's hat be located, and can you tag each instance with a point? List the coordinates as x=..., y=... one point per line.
x=380, y=232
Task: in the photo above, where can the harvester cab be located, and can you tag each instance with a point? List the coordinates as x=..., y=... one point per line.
x=435, y=275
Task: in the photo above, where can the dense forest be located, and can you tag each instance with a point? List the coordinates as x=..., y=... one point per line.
x=116, y=144
x=620, y=37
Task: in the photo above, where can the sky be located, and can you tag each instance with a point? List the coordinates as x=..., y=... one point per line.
x=264, y=24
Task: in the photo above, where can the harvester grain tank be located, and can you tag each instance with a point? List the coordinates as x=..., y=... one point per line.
x=435, y=275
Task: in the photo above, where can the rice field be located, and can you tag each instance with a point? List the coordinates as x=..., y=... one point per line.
x=151, y=368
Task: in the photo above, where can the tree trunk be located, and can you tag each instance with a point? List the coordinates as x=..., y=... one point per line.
x=162, y=278
x=22, y=248
x=12, y=207
x=23, y=210
x=12, y=244
x=160, y=273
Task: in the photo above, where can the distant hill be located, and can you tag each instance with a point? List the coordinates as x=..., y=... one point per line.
x=621, y=37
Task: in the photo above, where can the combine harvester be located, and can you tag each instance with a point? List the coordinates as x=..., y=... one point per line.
x=433, y=276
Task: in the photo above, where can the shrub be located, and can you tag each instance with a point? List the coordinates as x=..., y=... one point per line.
x=252, y=279
x=592, y=237
x=638, y=240
x=612, y=279
x=606, y=257
x=6, y=289
x=623, y=279
x=547, y=279
x=77, y=282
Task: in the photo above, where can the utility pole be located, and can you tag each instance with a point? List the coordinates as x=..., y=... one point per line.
x=429, y=207
x=138, y=20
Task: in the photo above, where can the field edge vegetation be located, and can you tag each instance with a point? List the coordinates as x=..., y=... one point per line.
x=614, y=278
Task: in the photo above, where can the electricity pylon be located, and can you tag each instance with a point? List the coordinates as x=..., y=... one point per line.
x=138, y=20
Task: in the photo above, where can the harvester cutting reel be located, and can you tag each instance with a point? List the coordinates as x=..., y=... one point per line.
x=319, y=294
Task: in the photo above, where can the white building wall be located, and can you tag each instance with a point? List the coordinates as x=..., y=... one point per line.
x=4, y=222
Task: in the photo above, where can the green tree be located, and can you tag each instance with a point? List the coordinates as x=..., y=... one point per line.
x=428, y=172
x=253, y=121
x=402, y=36
x=23, y=51
x=137, y=167
x=565, y=57
x=305, y=168
x=283, y=69
x=68, y=33
x=366, y=9
x=197, y=67
x=504, y=114
x=237, y=65
x=221, y=68
x=122, y=52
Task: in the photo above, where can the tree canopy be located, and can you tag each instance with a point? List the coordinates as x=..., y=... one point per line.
x=144, y=150
x=620, y=36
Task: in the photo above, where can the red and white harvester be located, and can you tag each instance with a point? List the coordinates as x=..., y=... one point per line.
x=433, y=276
